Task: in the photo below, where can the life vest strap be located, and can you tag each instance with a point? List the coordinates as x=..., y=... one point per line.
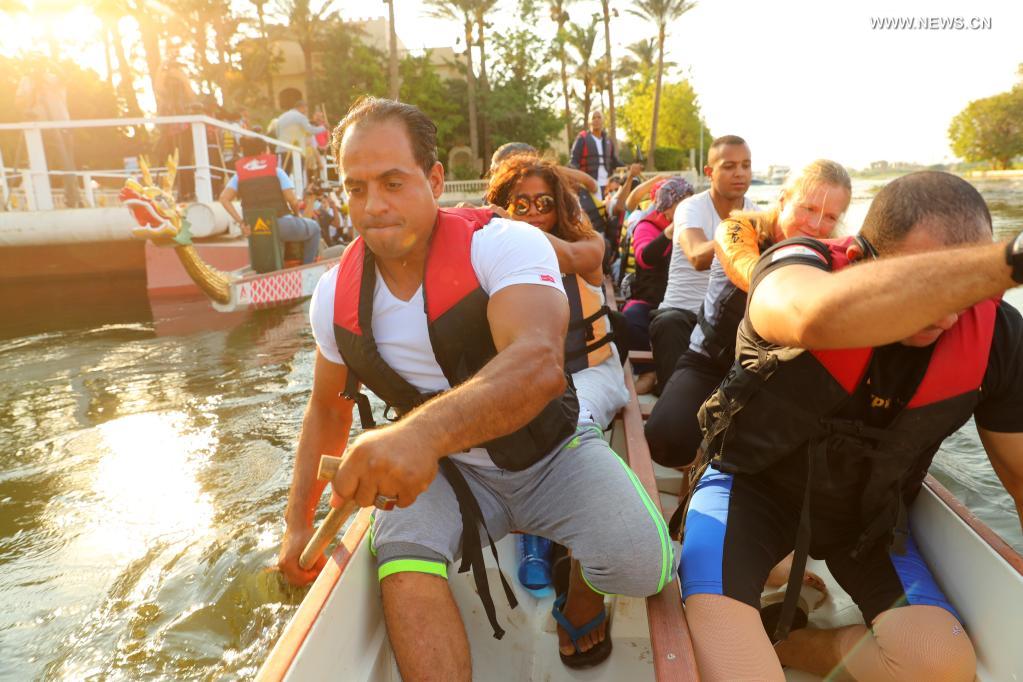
x=816, y=451
x=589, y=348
x=472, y=549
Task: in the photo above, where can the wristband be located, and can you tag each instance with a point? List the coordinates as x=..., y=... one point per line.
x=1014, y=257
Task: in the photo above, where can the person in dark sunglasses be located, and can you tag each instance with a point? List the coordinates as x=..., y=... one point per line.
x=527, y=188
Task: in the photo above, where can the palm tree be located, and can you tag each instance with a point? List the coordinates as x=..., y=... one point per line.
x=480, y=9
x=605, y=7
x=462, y=11
x=110, y=12
x=660, y=13
x=393, y=81
x=582, y=40
x=150, y=18
x=305, y=24
x=560, y=16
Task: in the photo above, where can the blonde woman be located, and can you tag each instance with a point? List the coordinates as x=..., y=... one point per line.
x=811, y=204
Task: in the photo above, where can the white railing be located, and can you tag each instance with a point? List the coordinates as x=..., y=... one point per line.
x=35, y=180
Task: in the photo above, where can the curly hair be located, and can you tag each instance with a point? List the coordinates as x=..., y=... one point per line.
x=572, y=225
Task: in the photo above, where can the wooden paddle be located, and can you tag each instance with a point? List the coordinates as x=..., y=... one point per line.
x=336, y=517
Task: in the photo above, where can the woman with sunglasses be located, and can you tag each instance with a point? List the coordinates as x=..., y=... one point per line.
x=533, y=190
x=527, y=188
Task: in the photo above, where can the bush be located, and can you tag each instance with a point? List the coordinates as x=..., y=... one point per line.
x=670, y=158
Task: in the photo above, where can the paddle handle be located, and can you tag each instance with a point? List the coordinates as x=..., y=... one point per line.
x=331, y=525
x=323, y=536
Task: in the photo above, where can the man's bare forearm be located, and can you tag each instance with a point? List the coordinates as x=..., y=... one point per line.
x=893, y=298
x=324, y=432
x=502, y=397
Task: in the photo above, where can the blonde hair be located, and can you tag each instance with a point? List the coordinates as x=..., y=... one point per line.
x=801, y=183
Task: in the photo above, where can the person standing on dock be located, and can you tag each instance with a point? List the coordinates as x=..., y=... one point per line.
x=856, y=359
x=457, y=320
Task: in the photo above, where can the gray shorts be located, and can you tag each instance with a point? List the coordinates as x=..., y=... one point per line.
x=582, y=496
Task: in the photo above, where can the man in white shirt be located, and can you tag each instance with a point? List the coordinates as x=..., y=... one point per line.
x=293, y=127
x=594, y=152
x=457, y=320
x=729, y=169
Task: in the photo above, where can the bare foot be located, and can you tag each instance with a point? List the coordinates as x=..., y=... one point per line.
x=779, y=576
x=645, y=383
x=582, y=606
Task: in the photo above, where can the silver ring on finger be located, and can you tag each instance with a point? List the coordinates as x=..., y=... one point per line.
x=384, y=502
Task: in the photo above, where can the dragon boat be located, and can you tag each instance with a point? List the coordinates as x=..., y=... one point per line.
x=161, y=221
x=338, y=632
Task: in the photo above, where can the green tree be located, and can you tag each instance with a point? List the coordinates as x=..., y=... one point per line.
x=521, y=105
x=110, y=12
x=306, y=24
x=444, y=101
x=681, y=130
x=608, y=80
x=480, y=10
x=582, y=39
x=660, y=13
x=462, y=11
x=559, y=15
x=990, y=129
x=349, y=69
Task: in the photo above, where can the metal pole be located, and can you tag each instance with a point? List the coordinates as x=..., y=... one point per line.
x=702, y=162
x=203, y=187
x=87, y=183
x=5, y=190
x=41, y=193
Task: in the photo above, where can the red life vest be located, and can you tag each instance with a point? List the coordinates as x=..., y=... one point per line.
x=774, y=403
x=456, y=310
x=258, y=186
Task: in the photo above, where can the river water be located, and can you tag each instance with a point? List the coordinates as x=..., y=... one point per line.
x=145, y=457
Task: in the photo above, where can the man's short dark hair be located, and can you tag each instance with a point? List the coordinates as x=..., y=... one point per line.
x=509, y=149
x=422, y=132
x=254, y=146
x=726, y=140
x=957, y=206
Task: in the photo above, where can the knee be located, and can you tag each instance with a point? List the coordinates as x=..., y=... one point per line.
x=927, y=644
x=643, y=567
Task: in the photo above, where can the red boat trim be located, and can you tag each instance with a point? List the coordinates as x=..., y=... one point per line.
x=993, y=539
x=288, y=646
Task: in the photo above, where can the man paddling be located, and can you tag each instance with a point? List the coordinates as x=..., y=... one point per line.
x=856, y=359
x=427, y=300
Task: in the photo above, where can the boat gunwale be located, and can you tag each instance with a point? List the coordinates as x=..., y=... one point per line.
x=988, y=535
x=287, y=648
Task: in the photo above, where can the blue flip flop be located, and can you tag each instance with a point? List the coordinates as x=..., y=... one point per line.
x=582, y=659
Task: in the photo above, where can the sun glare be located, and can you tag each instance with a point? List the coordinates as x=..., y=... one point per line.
x=144, y=489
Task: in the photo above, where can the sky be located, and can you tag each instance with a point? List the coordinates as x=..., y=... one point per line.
x=798, y=79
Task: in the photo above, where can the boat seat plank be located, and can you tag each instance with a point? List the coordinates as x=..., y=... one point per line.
x=671, y=641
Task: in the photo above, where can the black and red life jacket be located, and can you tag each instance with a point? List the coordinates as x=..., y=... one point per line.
x=456, y=311
x=258, y=186
x=774, y=403
x=589, y=165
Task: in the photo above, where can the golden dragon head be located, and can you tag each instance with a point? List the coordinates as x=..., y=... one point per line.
x=154, y=208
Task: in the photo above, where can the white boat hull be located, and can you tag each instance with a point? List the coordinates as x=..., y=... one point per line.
x=250, y=290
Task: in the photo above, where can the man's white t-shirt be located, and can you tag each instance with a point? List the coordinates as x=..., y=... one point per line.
x=503, y=254
x=601, y=167
x=687, y=286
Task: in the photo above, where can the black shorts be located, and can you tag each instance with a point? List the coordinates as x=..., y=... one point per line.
x=738, y=528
